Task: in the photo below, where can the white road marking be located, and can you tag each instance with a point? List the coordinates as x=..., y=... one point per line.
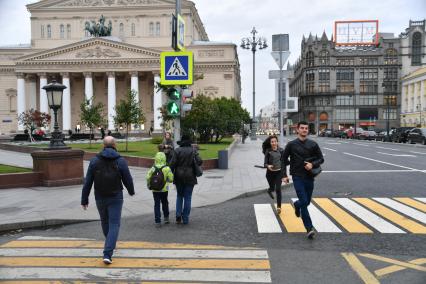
x=330, y=149
x=136, y=253
x=372, y=219
x=266, y=220
x=321, y=222
x=365, y=145
x=333, y=143
x=372, y=171
x=420, y=153
x=413, y=213
x=397, y=155
x=386, y=163
x=386, y=148
x=81, y=273
x=421, y=199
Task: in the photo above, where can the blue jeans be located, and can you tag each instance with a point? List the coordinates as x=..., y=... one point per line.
x=304, y=189
x=184, y=196
x=110, y=213
x=160, y=198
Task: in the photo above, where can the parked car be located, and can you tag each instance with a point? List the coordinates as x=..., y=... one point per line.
x=325, y=133
x=400, y=134
x=381, y=136
x=417, y=135
x=338, y=133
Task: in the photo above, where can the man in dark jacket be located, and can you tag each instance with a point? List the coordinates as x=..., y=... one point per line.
x=109, y=171
x=182, y=165
x=304, y=154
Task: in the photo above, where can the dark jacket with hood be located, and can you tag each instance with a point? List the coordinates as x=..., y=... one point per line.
x=126, y=178
x=182, y=163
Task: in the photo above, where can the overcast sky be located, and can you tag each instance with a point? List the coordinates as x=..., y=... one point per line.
x=231, y=20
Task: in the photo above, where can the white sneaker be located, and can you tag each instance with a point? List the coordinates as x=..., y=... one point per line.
x=107, y=260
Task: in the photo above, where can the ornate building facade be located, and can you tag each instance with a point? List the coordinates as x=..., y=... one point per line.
x=105, y=68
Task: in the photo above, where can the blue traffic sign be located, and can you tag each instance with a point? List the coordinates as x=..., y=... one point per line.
x=176, y=68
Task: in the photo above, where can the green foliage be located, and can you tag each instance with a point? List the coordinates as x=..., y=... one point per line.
x=32, y=119
x=157, y=140
x=218, y=117
x=128, y=112
x=92, y=115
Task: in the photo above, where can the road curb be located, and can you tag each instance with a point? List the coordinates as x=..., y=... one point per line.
x=41, y=224
x=257, y=192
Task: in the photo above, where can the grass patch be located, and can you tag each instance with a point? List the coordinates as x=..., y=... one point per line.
x=5, y=169
x=147, y=149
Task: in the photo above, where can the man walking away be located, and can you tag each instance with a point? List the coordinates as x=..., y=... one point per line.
x=109, y=171
x=304, y=154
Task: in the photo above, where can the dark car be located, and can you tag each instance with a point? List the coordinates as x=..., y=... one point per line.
x=400, y=134
x=338, y=133
x=417, y=135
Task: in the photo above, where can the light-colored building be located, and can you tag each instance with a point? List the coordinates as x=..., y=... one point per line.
x=413, y=47
x=107, y=67
x=413, y=107
x=269, y=118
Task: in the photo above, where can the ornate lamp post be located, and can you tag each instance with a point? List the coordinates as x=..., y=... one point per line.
x=253, y=43
x=54, y=92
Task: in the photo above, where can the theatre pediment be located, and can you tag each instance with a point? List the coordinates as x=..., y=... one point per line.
x=94, y=49
x=98, y=3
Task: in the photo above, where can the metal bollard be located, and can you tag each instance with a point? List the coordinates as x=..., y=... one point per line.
x=223, y=159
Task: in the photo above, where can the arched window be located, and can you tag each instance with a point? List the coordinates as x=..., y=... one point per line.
x=391, y=56
x=42, y=31
x=121, y=29
x=310, y=59
x=151, y=28
x=49, y=31
x=61, y=31
x=416, y=49
x=133, y=29
x=68, y=31
x=157, y=29
x=324, y=57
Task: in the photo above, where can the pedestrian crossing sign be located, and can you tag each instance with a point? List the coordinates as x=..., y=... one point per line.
x=176, y=68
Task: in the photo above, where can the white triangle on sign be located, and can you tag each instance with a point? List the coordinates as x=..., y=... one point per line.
x=176, y=69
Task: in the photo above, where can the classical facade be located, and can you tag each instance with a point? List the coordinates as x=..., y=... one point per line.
x=340, y=87
x=105, y=68
x=413, y=106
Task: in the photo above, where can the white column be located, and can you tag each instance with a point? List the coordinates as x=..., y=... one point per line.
x=134, y=84
x=66, y=103
x=32, y=91
x=111, y=100
x=44, y=105
x=88, y=85
x=20, y=97
x=158, y=102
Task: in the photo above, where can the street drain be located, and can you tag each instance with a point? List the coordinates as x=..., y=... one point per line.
x=214, y=176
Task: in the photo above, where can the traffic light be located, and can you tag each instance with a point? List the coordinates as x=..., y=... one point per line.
x=173, y=104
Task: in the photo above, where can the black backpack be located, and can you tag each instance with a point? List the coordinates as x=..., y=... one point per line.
x=157, y=180
x=107, y=177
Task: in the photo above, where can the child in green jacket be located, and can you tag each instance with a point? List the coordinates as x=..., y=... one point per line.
x=158, y=179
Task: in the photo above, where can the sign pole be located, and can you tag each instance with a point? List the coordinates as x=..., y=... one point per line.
x=176, y=121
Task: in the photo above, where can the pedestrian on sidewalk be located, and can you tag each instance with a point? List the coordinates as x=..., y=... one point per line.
x=167, y=146
x=108, y=171
x=305, y=154
x=158, y=179
x=275, y=167
x=182, y=165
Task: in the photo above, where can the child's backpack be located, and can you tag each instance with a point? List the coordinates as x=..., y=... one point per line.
x=157, y=180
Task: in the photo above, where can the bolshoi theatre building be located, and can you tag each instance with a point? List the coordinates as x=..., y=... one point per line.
x=105, y=68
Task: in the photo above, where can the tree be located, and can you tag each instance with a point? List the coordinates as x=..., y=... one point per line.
x=128, y=112
x=32, y=119
x=91, y=115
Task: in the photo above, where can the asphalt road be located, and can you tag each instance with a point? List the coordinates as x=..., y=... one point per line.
x=353, y=169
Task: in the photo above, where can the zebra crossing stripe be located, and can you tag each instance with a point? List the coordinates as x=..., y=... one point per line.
x=321, y=222
x=266, y=220
x=342, y=217
x=413, y=213
x=291, y=223
x=368, y=217
x=421, y=199
x=413, y=203
x=391, y=215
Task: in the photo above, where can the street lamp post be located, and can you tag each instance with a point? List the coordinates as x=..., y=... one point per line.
x=54, y=92
x=253, y=43
x=354, y=105
x=387, y=111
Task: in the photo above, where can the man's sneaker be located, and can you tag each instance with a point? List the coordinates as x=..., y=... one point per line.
x=107, y=260
x=270, y=193
x=166, y=220
x=296, y=211
x=157, y=225
x=179, y=220
x=279, y=210
x=311, y=234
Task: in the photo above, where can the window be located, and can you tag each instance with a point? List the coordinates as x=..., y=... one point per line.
x=392, y=100
x=390, y=74
x=368, y=61
x=121, y=29
x=68, y=31
x=324, y=74
x=42, y=31
x=310, y=75
x=324, y=87
x=49, y=31
x=151, y=28
x=368, y=100
x=345, y=74
x=391, y=86
x=310, y=59
x=62, y=31
x=345, y=62
x=368, y=74
x=157, y=29
x=391, y=56
x=324, y=57
x=345, y=87
x=310, y=87
x=344, y=100
x=346, y=114
x=392, y=113
x=368, y=87
x=416, y=49
x=133, y=29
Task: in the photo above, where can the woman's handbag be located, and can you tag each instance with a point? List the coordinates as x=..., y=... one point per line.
x=315, y=171
x=198, y=170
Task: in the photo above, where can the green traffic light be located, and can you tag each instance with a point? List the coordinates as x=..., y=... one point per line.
x=174, y=94
x=173, y=108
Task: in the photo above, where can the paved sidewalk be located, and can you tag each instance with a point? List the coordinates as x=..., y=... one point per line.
x=38, y=206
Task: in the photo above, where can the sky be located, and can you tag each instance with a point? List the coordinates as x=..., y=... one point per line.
x=232, y=20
